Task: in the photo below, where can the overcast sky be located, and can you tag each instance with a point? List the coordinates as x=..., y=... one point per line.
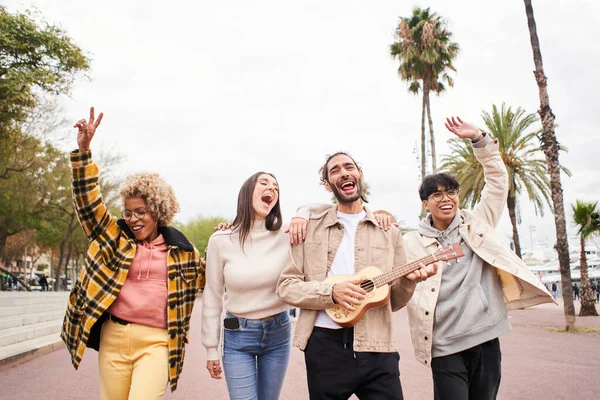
x=207, y=93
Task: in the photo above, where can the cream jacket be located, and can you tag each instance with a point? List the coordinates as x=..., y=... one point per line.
x=302, y=282
x=520, y=287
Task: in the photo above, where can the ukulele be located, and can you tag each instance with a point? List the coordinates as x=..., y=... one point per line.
x=376, y=284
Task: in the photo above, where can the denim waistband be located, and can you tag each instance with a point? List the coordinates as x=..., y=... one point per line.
x=281, y=318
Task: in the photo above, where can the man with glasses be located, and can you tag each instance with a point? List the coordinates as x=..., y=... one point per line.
x=457, y=315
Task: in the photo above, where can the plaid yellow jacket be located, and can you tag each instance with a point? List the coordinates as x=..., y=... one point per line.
x=112, y=248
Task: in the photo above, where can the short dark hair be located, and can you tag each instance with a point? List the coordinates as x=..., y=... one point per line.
x=432, y=182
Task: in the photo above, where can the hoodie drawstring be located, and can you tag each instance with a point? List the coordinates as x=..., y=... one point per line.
x=149, y=246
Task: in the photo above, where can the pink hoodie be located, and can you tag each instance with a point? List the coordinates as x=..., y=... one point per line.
x=143, y=298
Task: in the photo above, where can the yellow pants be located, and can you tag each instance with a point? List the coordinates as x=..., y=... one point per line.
x=133, y=362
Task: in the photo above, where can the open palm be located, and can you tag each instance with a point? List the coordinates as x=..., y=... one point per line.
x=463, y=130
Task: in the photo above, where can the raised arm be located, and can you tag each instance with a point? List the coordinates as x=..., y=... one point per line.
x=494, y=194
x=89, y=205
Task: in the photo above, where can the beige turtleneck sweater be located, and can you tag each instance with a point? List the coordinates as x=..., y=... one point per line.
x=250, y=277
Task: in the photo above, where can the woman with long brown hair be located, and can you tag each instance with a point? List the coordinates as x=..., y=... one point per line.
x=247, y=260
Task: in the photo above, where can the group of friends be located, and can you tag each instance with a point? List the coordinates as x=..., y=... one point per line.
x=134, y=298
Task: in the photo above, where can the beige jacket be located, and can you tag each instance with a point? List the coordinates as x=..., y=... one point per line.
x=520, y=287
x=302, y=282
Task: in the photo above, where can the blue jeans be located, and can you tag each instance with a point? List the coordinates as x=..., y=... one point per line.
x=255, y=357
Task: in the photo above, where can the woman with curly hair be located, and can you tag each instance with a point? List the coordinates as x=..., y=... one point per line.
x=133, y=299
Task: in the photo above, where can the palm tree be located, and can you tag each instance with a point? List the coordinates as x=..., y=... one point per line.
x=587, y=218
x=550, y=147
x=519, y=151
x=424, y=48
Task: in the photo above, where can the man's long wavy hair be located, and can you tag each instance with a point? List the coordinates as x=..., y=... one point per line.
x=242, y=224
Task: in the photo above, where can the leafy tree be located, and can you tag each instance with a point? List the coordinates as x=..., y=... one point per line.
x=520, y=153
x=34, y=57
x=199, y=230
x=19, y=204
x=587, y=218
x=424, y=48
x=16, y=244
x=39, y=197
x=61, y=229
x=551, y=147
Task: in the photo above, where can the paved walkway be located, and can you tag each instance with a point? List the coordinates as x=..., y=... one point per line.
x=537, y=364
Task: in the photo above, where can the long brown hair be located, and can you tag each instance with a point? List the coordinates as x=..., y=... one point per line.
x=245, y=211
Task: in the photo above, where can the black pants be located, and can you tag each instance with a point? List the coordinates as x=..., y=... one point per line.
x=335, y=371
x=472, y=374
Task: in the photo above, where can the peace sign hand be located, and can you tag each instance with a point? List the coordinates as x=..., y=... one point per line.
x=87, y=131
x=462, y=129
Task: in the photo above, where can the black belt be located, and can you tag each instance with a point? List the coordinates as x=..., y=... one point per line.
x=117, y=319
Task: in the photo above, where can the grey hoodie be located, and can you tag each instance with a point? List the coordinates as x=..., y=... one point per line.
x=470, y=308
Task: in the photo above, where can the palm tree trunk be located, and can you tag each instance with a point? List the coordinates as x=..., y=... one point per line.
x=423, y=153
x=511, y=204
x=431, y=135
x=588, y=298
x=550, y=148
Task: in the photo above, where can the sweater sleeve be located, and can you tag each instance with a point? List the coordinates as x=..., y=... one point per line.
x=212, y=299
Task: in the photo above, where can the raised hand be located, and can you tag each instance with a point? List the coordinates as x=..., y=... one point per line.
x=87, y=130
x=463, y=130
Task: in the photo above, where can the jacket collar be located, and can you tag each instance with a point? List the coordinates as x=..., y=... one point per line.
x=172, y=236
x=331, y=217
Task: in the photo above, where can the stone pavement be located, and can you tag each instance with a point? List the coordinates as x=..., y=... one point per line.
x=537, y=364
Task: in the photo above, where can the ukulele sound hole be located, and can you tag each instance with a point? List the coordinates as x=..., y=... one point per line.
x=367, y=285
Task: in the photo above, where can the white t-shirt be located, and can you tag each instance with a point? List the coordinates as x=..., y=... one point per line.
x=343, y=262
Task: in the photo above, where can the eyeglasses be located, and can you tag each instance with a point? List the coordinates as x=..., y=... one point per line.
x=140, y=213
x=439, y=196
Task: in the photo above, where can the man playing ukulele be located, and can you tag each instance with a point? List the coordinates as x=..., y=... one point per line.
x=345, y=239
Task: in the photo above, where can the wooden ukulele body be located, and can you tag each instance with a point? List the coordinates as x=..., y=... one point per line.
x=377, y=297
